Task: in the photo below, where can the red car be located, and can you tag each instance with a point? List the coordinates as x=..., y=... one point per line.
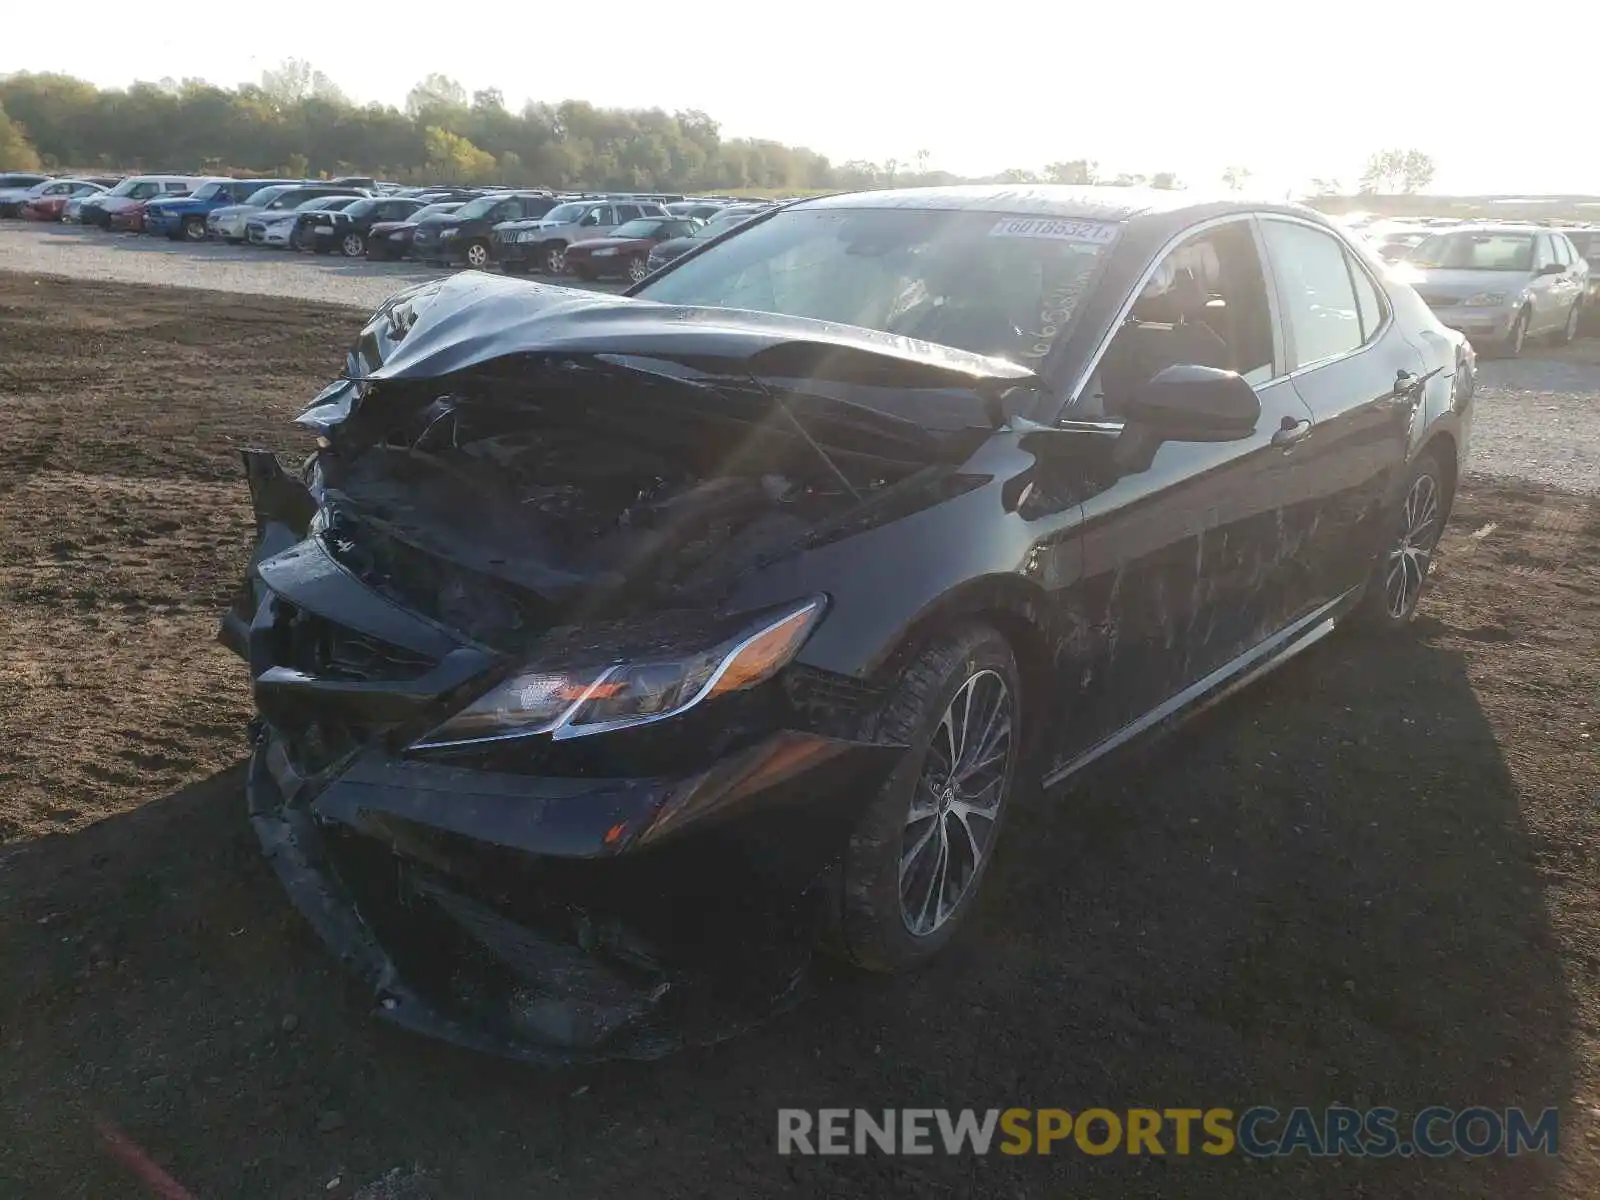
x=627, y=251
x=49, y=200
x=128, y=220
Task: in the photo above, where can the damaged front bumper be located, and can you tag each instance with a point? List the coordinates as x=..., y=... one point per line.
x=512, y=953
x=545, y=915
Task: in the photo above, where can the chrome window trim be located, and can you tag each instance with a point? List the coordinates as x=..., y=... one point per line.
x=1279, y=341
x=1351, y=254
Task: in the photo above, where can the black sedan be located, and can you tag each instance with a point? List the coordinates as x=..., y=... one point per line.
x=347, y=230
x=387, y=240
x=607, y=655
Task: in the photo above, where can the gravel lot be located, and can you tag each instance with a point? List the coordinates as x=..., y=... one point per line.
x=1370, y=878
x=81, y=253
x=1538, y=417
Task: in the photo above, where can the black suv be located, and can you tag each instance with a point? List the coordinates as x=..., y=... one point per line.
x=463, y=236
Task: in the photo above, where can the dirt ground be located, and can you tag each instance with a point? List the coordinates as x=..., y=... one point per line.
x=1371, y=878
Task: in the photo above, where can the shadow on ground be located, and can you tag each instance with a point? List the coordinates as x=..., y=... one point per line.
x=1321, y=891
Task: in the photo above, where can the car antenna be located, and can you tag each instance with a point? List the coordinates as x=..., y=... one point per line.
x=822, y=454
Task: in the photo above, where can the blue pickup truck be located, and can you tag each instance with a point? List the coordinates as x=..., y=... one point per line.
x=183, y=218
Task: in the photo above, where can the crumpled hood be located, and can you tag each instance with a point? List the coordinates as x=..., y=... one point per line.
x=462, y=321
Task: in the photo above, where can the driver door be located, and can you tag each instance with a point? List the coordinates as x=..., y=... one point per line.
x=1183, y=569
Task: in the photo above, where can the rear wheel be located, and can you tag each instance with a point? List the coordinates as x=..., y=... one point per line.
x=916, y=860
x=1402, y=569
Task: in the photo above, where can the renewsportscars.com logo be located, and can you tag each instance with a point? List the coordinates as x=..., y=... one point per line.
x=1259, y=1132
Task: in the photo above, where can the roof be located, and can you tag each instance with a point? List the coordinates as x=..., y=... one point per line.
x=1103, y=202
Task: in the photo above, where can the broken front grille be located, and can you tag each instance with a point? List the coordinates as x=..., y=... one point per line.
x=324, y=649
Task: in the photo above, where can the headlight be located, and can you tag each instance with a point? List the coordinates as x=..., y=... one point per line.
x=1485, y=300
x=450, y=233
x=576, y=703
x=528, y=235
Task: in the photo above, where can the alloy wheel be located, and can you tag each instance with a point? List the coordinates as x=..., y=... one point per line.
x=955, y=808
x=555, y=260
x=477, y=255
x=1408, y=561
x=194, y=229
x=637, y=269
x=354, y=245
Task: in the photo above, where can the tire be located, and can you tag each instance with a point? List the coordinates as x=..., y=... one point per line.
x=638, y=268
x=553, y=258
x=1512, y=346
x=194, y=229
x=1410, y=540
x=353, y=245
x=885, y=922
x=1570, y=330
x=476, y=254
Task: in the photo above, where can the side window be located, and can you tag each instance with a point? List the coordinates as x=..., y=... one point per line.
x=627, y=212
x=1543, y=254
x=1206, y=304
x=1564, y=254
x=1369, y=301
x=1319, y=299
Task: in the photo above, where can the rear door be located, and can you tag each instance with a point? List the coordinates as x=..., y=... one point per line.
x=1358, y=375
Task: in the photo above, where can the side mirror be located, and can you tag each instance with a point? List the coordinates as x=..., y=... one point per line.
x=1552, y=269
x=1194, y=404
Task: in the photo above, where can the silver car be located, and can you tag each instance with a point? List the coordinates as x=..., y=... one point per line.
x=1501, y=284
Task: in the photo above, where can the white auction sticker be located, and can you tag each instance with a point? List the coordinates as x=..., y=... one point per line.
x=1094, y=233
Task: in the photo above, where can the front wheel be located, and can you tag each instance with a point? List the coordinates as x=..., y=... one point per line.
x=1518, y=337
x=638, y=268
x=194, y=229
x=916, y=860
x=476, y=255
x=554, y=259
x=353, y=245
x=1570, y=329
x=1402, y=568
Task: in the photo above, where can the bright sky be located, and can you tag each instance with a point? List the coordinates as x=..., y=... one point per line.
x=1293, y=91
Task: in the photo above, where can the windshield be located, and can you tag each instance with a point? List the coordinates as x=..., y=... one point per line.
x=637, y=229
x=136, y=189
x=362, y=207
x=977, y=281
x=481, y=207
x=315, y=204
x=722, y=223
x=565, y=214
x=435, y=210
x=264, y=197
x=1475, y=251
x=207, y=191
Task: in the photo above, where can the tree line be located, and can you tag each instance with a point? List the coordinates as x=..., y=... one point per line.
x=296, y=122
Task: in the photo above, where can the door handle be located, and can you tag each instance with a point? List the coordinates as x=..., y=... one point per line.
x=1290, y=432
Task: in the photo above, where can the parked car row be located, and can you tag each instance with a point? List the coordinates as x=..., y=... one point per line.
x=1499, y=282
x=591, y=235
